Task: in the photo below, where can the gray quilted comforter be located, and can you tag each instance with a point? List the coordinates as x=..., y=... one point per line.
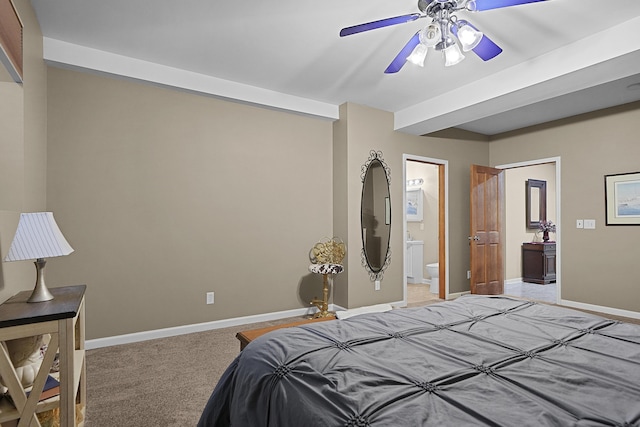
x=475, y=361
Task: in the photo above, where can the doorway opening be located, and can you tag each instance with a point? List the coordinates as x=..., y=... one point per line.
x=425, y=250
x=532, y=267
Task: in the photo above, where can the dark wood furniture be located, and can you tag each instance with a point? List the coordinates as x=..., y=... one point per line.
x=63, y=318
x=245, y=337
x=539, y=262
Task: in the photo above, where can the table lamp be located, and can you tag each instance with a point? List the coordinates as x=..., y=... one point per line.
x=38, y=237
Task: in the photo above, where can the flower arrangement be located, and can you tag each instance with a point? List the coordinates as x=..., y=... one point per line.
x=547, y=226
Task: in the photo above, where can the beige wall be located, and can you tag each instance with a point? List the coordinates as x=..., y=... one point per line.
x=23, y=123
x=153, y=189
x=167, y=195
x=370, y=129
x=515, y=212
x=599, y=266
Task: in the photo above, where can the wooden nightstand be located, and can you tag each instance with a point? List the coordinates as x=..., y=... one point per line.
x=63, y=318
x=246, y=337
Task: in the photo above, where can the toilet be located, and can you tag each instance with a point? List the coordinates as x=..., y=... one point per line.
x=433, y=270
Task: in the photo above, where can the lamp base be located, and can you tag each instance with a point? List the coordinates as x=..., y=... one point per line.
x=40, y=292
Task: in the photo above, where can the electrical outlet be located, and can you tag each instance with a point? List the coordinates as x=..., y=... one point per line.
x=590, y=224
x=210, y=298
x=579, y=223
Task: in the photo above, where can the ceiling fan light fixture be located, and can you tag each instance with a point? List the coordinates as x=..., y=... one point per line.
x=418, y=55
x=445, y=33
x=452, y=55
x=469, y=37
x=430, y=35
x=471, y=6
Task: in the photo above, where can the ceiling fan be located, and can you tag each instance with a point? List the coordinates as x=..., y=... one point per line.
x=439, y=33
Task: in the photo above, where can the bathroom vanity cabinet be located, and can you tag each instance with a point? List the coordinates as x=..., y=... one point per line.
x=415, y=261
x=539, y=262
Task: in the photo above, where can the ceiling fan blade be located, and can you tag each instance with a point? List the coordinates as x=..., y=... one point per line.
x=496, y=4
x=487, y=49
x=401, y=58
x=379, y=24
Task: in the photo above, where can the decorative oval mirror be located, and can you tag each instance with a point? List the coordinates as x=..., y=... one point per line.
x=375, y=215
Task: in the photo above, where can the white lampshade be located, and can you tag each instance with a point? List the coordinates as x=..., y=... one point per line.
x=38, y=237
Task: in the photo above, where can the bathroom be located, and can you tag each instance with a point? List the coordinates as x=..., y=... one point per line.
x=422, y=231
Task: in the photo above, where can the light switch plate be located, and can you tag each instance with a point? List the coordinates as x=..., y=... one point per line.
x=579, y=223
x=590, y=224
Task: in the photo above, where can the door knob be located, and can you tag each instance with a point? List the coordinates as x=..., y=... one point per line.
x=475, y=238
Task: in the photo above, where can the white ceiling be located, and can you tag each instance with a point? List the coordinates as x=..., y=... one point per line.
x=561, y=57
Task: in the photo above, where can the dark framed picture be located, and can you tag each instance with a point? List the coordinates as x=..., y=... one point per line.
x=622, y=198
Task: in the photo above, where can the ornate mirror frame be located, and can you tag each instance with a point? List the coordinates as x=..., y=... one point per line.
x=375, y=216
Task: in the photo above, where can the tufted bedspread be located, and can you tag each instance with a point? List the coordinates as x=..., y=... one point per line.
x=475, y=361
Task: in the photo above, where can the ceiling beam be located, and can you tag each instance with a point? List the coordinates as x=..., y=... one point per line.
x=601, y=58
x=68, y=55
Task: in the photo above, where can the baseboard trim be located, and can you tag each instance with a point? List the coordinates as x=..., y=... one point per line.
x=512, y=281
x=600, y=309
x=457, y=295
x=199, y=327
x=265, y=317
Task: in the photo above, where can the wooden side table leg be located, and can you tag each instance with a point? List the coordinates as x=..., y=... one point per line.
x=67, y=392
x=80, y=345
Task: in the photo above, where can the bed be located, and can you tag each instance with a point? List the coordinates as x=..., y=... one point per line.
x=475, y=361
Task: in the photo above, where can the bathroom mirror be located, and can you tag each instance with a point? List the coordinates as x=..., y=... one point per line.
x=375, y=215
x=536, y=209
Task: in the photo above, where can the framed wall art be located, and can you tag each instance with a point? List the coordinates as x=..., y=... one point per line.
x=414, y=205
x=622, y=198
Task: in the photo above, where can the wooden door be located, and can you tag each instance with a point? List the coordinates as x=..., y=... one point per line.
x=486, y=238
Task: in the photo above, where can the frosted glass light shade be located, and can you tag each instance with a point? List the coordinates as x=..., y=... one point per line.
x=431, y=35
x=469, y=37
x=418, y=55
x=452, y=55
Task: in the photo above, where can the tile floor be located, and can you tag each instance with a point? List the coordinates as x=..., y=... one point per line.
x=419, y=294
x=546, y=293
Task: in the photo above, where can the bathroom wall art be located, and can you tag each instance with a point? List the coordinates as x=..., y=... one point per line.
x=622, y=198
x=414, y=205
